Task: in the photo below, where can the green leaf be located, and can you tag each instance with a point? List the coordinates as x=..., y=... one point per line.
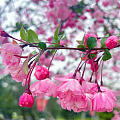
x=53, y=51
x=91, y=56
x=57, y=33
x=107, y=55
x=91, y=42
x=23, y=34
x=32, y=37
x=103, y=41
x=51, y=46
x=79, y=7
x=53, y=40
x=37, y=58
x=83, y=40
x=34, y=52
x=42, y=45
x=25, y=66
x=61, y=35
x=81, y=46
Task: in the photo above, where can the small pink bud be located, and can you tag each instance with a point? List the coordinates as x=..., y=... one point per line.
x=111, y=42
x=100, y=20
x=97, y=1
x=51, y=4
x=26, y=100
x=41, y=73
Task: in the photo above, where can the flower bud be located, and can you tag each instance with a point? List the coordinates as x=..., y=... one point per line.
x=41, y=73
x=26, y=100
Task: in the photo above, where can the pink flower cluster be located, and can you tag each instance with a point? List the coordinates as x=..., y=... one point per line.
x=56, y=11
x=44, y=87
x=75, y=95
x=116, y=116
x=9, y=54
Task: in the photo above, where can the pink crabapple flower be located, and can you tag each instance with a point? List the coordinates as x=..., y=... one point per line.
x=89, y=87
x=8, y=52
x=41, y=73
x=44, y=87
x=116, y=116
x=71, y=96
x=111, y=42
x=104, y=101
x=3, y=40
x=87, y=36
x=26, y=100
x=105, y=3
x=18, y=74
x=97, y=14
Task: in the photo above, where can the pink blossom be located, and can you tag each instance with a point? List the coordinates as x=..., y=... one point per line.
x=41, y=73
x=57, y=12
x=18, y=74
x=101, y=20
x=97, y=0
x=104, y=101
x=105, y=3
x=83, y=17
x=44, y=87
x=26, y=100
x=98, y=14
x=116, y=117
x=62, y=13
x=89, y=87
x=8, y=53
x=51, y=4
x=71, y=96
x=49, y=39
x=51, y=16
x=3, y=40
x=111, y=42
x=111, y=93
x=111, y=31
x=62, y=42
